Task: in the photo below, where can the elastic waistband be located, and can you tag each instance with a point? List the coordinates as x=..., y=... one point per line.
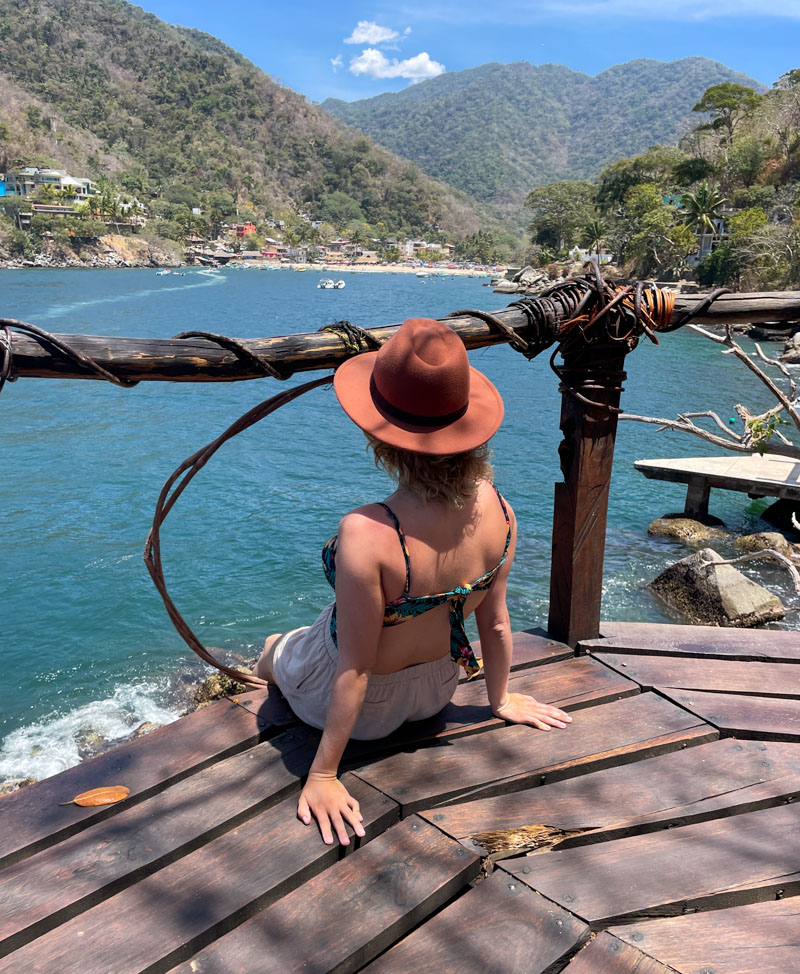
x=419, y=671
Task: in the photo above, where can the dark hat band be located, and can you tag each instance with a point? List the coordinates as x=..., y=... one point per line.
x=413, y=419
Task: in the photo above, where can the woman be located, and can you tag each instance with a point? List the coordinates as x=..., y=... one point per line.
x=387, y=650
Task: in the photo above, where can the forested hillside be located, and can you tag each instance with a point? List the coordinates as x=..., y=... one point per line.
x=108, y=90
x=499, y=130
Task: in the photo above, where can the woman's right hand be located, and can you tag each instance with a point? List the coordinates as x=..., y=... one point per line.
x=327, y=799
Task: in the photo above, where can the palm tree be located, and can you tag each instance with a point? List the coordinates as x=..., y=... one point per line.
x=703, y=208
x=593, y=235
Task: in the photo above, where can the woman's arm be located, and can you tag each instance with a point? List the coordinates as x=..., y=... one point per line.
x=494, y=628
x=359, y=611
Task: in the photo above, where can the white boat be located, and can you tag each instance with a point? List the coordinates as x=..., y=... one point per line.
x=327, y=284
x=339, y=285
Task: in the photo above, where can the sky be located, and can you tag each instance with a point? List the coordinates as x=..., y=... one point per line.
x=352, y=50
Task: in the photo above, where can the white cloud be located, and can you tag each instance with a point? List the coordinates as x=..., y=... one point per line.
x=367, y=32
x=375, y=64
x=336, y=62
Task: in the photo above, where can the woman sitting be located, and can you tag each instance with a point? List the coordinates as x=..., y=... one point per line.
x=407, y=571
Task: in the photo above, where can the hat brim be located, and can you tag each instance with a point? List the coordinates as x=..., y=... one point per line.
x=479, y=423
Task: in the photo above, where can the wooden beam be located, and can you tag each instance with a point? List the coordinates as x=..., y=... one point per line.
x=200, y=360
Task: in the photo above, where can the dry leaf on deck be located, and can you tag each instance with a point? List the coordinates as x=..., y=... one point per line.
x=100, y=796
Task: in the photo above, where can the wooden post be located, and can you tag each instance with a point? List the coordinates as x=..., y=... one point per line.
x=581, y=501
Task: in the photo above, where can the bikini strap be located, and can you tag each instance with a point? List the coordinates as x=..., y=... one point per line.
x=508, y=520
x=403, y=544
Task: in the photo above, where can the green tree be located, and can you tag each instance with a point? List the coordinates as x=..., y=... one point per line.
x=702, y=209
x=559, y=210
x=657, y=166
x=728, y=104
x=593, y=235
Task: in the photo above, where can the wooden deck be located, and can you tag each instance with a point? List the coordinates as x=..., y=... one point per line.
x=767, y=476
x=657, y=833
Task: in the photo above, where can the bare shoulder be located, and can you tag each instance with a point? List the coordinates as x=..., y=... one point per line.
x=364, y=524
x=490, y=493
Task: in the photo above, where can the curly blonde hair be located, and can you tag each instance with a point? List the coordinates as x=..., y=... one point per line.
x=450, y=478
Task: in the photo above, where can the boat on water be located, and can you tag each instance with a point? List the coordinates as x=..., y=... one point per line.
x=328, y=285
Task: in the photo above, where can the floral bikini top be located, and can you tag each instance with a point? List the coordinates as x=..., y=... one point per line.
x=408, y=606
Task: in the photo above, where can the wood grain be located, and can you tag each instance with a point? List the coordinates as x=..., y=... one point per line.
x=101, y=861
x=724, y=862
x=653, y=638
x=499, y=925
x=517, y=757
x=608, y=955
x=759, y=718
x=725, y=676
x=715, y=779
x=32, y=819
x=169, y=915
x=340, y=920
x=762, y=937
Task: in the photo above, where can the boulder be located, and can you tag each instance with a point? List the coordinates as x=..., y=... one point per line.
x=764, y=539
x=779, y=515
x=711, y=594
x=216, y=686
x=791, y=350
x=684, y=529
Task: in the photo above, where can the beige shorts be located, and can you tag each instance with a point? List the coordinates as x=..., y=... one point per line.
x=304, y=665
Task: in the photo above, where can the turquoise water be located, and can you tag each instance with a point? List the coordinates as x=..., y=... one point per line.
x=86, y=642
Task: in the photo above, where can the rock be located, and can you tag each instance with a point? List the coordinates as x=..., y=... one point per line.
x=89, y=742
x=216, y=686
x=715, y=595
x=684, y=529
x=764, y=539
x=142, y=729
x=506, y=287
x=791, y=350
x=779, y=515
x=7, y=787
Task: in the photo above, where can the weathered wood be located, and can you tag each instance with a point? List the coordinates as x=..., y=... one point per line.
x=654, y=638
x=725, y=676
x=757, y=476
x=725, y=862
x=581, y=501
x=198, y=360
x=693, y=785
x=499, y=925
x=33, y=819
x=762, y=937
x=142, y=838
x=608, y=955
x=564, y=684
x=759, y=718
x=169, y=915
x=532, y=647
x=345, y=917
x=513, y=758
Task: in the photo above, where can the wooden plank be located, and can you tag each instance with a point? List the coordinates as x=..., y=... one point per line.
x=517, y=757
x=759, y=718
x=762, y=937
x=355, y=909
x=531, y=647
x=766, y=645
x=566, y=684
x=724, y=862
x=498, y=925
x=720, y=778
x=609, y=955
x=113, y=854
x=169, y=915
x=33, y=820
x=722, y=675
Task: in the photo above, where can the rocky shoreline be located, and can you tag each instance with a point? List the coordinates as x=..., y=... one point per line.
x=110, y=251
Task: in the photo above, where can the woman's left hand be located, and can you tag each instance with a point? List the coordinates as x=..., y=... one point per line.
x=522, y=709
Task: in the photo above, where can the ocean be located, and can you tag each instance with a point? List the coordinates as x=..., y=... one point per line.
x=87, y=645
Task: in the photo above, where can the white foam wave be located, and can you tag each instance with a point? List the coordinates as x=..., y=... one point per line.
x=43, y=749
x=59, y=310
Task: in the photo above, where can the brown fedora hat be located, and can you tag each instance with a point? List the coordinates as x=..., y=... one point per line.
x=419, y=392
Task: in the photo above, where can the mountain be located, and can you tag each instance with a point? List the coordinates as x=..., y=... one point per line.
x=500, y=130
x=103, y=88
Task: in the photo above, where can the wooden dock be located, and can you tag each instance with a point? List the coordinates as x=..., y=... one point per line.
x=657, y=833
x=754, y=475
